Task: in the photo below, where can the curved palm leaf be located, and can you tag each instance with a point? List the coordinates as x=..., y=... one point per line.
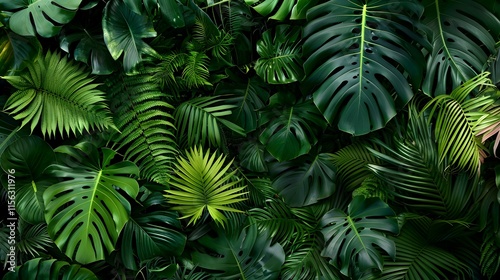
x=297, y=9
x=292, y=131
x=359, y=60
x=350, y=238
x=305, y=180
x=198, y=120
x=59, y=95
x=29, y=157
x=242, y=255
x=51, y=269
x=463, y=35
x=460, y=120
x=86, y=213
x=123, y=32
x=202, y=183
x=280, y=59
x=16, y=51
x=44, y=17
x=34, y=240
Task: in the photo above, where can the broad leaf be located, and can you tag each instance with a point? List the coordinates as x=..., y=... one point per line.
x=29, y=157
x=280, y=59
x=290, y=132
x=350, y=238
x=51, y=269
x=305, y=180
x=282, y=8
x=361, y=60
x=463, y=34
x=10, y=131
x=171, y=10
x=44, y=17
x=248, y=255
x=123, y=33
x=16, y=52
x=86, y=213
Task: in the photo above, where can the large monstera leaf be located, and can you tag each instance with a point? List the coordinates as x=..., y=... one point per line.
x=51, y=269
x=463, y=35
x=29, y=157
x=350, y=238
x=86, y=212
x=44, y=17
x=123, y=33
x=305, y=180
x=16, y=51
x=290, y=132
x=241, y=255
x=280, y=59
x=282, y=9
x=361, y=60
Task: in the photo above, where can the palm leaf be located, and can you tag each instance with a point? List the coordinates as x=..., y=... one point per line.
x=350, y=238
x=361, y=60
x=58, y=95
x=123, y=33
x=142, y=115
x=86, y=213
x=195, y=72
x=280, y=59
x=252, y=156
x=245, y=254
x=202, y=183
x=51, y=269
x=463, y=35
x=199, y=121
x=44, y=17
x=34, y=240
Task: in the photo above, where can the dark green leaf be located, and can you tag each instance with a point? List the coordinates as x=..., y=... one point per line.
x=51, y=269
x=16, y=52
x=252, y=156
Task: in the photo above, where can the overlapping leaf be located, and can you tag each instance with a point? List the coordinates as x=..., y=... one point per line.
x=16, y=52
x=282, y=9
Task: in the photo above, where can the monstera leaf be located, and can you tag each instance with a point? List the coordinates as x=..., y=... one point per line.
x=291, y=131
x=44, y=17
x=361, y=61
x=295, y=8
x=50, y=270
x=16, y=51
x=305, y=180
x=247, y=255
x=29, y=156
x=123, y=33
x=463, y=35
x=86, y=213
x=350, y=238
x=280, y=59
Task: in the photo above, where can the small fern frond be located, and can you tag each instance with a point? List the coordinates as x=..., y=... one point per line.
x=58, y=95
x=165, y=72
x=196, y=72
x=141, y=113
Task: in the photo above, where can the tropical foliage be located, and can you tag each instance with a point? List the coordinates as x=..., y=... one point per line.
x=250, y=139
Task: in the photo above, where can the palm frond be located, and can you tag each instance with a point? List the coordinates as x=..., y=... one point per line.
x=490, y=253
x=58, y=95
x=142, y=114
x=34, y=240
x=167, y=73
x=196, y=72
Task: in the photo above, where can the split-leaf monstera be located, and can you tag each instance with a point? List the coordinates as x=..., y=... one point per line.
x=86, y=212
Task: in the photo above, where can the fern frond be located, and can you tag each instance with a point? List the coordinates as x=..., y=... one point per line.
x=490, y=253
x=196, y=72
x=141, y=113
x=58, y=95
x=170, y=65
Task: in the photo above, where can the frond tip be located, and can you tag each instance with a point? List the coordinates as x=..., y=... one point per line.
x=202, y=183
x=58, y=95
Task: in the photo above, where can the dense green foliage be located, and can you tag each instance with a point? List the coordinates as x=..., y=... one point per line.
x=250, y=139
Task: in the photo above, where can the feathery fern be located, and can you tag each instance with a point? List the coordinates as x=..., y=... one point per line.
x=142, y=115
x=58, y=95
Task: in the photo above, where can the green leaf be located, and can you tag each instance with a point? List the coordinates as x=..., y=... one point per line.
x=16, y=52
x=280, y=59
x=123, y=33
x=252, y=156
x=51, y=269
x=86, y=213
x=244, y=255
x=10, y=131
x=295, y=8
x=29, y=157
x=292, y=131
x=305, y=180
x=203, y=183
x=350, y=238
x=362, y=61
x=44, y=17
x=172, y=11
x=34, y=240
x=463, y=34
x=89, y=48
x=60, y=96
